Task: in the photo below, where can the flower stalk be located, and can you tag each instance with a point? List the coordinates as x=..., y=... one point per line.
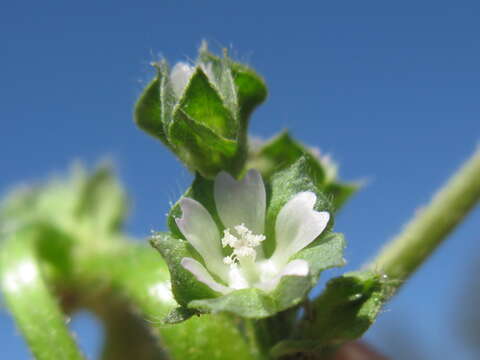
x=425, y=232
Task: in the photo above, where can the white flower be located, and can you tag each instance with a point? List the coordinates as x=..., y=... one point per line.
x=241, y=206
x=181, y=74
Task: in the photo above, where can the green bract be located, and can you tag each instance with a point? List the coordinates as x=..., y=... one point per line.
x=343, y=312
x=87, y=206
x=260, y=275
x=201, y=111
x=282, y=151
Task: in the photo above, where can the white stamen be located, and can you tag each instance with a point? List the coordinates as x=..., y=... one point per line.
x=243, y=246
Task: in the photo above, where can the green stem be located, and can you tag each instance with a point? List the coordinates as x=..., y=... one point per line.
x=431, y=225
x=127, y=335
x=138, y=274
x=31, y=302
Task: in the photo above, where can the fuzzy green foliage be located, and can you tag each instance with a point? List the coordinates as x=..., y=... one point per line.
x=282, y=151
x=343, y=312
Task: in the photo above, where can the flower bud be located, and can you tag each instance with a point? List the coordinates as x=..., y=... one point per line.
x=201, y=111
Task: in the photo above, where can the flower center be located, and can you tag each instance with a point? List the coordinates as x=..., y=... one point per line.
x=243, y=244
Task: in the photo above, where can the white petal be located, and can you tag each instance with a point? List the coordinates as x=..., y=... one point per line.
x=297, y=225
x=296, y=267
x=241, y=202
x=198, y=227
x=202, y=275
x=236, y=279
x=180, y=76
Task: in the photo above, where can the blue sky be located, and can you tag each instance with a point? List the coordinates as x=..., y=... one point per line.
x=390, y=89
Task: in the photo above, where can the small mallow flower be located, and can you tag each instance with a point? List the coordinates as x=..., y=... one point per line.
x=234, y=257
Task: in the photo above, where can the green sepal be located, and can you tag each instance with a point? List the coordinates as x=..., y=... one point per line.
x=282, y=151
x=324, y=253
x=200, y=148
x=284, y=185
x=251, y=89
x=202, y=102
x=347, y=308
x=343, y=312
x=340, y=193
x=204, y=129
x=153, y=110
x=249, y=303
x=285, y=348
x=277, y=154
x=185, y=287
x=221, y=76
x=242, y=90
x=178, y=315
x=291, y=291
x=148, y=110
x=201, y=190
x=243, y=84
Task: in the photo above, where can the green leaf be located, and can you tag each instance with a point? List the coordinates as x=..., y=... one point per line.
x=185, y=286
x=102, y=202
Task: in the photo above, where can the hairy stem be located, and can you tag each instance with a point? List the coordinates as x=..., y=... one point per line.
x=137, y=274
x=31, y=302
x=431, y=225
